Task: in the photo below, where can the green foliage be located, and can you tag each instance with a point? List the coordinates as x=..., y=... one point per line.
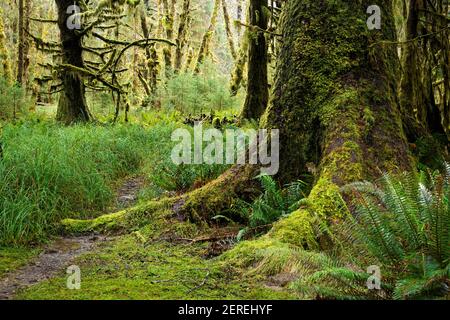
x=167, y=176
x=13, y=101
x=402, y=225
x=429, y=151
x=272, y=205
x=14, y=258
x=48, y=172
x=192, y=93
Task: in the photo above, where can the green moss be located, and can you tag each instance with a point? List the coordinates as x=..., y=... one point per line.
x=131, y=269
x=296, y=229
x=13, y=258
x=267, y=257
x=126, y=220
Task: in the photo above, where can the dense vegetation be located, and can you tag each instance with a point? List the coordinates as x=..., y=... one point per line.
x=360, y=205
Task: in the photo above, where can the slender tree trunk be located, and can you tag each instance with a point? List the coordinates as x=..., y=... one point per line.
x=4, y=54
x=21, y=44
x=72, y=106
x=334, y=101
x=26, y=52
x=226, y=18
x=204, y=50
x=182, y=34
x=257, y=82
x=151, y=74
x=237, y=75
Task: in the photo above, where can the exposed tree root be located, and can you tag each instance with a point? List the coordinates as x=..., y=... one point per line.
x=199, y=205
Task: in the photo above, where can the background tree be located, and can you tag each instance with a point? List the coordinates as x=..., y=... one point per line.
x=72, y=105
x=257, y=81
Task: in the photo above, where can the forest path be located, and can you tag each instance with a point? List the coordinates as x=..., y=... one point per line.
x=60, y=253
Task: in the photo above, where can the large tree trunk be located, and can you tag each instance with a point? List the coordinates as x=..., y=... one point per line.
x=4, y=54
x=72, y=106
x=257, y=82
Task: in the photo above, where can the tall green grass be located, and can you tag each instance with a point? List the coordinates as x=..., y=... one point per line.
x=49, y=172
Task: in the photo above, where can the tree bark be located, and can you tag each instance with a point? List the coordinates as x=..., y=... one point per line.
x=72, y=106
x=182, y=34
x=21, y=44
x=257, y=82
x=151, y=56
x=4, y=54
x=204, y=50
x=226, y=18
x=334, y=98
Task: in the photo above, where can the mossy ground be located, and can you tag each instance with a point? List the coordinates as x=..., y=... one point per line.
x=148, y=264
x=13, y=258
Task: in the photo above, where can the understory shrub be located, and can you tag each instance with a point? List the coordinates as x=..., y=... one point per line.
x=194, y=93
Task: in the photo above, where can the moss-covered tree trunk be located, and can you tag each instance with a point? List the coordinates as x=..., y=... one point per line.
x=257, y=82
x=205, y=49
x=226, y=18
x=72, y=106
x=335, y=104
x=21, y=43
x=169, y=21
x=4, y=54
x=151, y=55
x=334, y=97
x=182, y=34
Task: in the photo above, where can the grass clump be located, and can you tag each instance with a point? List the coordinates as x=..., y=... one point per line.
x=134, y=269
x=48, y=172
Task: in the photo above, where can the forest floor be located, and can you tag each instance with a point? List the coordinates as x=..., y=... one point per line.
x=132, y=267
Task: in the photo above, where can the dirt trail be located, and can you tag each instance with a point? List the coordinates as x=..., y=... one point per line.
x=59, y=255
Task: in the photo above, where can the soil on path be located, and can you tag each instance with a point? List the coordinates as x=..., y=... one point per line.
x=60, y=253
